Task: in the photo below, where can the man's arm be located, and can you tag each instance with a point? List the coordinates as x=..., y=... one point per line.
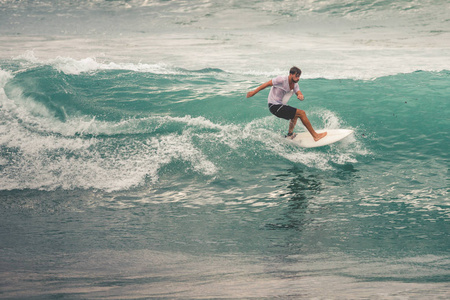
x=300, y=96
x=260, y=88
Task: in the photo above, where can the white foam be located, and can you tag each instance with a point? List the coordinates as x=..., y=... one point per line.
x=329, y=119
x=332, y=61
x=46, y=153
x=347, y=151
x=52, y=162
x=73, y=66
x=5, y=76
x=331, y=39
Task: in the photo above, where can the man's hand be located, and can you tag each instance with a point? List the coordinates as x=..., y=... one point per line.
x=251, y=94
x=300, y=97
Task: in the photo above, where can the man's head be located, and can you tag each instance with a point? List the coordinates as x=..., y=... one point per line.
x=295, y=73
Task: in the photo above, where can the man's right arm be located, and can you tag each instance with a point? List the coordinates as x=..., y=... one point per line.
x=260, y=88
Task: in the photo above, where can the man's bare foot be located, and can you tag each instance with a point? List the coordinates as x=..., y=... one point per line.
x=319, y=136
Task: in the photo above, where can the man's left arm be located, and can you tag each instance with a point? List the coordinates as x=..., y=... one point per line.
x=300, y=96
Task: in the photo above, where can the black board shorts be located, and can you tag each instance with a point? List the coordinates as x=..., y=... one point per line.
x=283, y=111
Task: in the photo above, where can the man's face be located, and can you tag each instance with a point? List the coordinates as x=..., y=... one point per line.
x=295, y=77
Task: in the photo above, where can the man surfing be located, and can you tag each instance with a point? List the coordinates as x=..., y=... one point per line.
x=283, y=87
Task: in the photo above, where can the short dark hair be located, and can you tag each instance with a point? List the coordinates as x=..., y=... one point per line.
x=295, y=71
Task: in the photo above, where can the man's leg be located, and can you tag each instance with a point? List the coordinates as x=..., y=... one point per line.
x=302, y=115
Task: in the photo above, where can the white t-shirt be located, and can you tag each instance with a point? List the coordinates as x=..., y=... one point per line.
x=280, y=91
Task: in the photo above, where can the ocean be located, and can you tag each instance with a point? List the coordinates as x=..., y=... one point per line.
x=134, y=167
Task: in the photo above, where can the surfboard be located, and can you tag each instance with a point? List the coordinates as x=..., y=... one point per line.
x=305, y=139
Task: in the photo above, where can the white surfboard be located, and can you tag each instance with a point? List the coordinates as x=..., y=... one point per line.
x=305, y=139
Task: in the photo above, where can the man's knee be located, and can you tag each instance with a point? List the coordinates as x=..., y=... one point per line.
x=300, y=113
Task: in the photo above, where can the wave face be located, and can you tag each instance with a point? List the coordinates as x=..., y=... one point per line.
x=82, y=124
x=118, y=128
x=132, y=165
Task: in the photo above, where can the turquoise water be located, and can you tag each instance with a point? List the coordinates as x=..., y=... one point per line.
x=133, y=166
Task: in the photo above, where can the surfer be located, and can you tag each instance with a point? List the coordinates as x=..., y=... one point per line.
x=283, y=87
